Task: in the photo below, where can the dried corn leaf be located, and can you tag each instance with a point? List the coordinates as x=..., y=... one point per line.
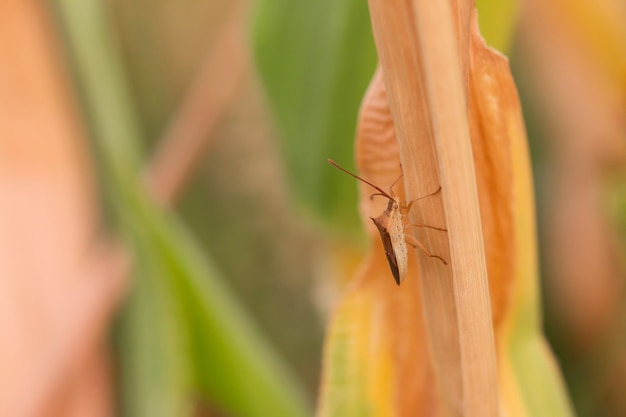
x=376, y=361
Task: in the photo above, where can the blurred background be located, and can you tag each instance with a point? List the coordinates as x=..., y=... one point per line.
x=172, y=240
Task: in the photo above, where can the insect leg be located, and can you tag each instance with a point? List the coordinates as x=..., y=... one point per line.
x=394, y=183
x=417, y=244
x=408, y=206
x=425, y=225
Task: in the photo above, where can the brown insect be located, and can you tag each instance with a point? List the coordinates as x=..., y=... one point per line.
x=391, y=228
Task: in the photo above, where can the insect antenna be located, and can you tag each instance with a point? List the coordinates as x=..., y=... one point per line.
x=375, y=194
x=383, y=193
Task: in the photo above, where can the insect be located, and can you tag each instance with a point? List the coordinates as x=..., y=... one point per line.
x=391, y=228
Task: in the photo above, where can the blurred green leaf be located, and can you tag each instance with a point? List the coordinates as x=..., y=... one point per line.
x=498, y=20
x=183, y=335
x=316, y=59
x=233, y=366
x=155, y=373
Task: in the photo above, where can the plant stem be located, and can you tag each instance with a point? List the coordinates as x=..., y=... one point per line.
x=424, y=73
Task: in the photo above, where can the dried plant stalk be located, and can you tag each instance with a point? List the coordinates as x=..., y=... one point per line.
x=375, y=360
x=426, y=92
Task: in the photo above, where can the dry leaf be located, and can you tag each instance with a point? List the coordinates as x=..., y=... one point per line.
x=377, y=360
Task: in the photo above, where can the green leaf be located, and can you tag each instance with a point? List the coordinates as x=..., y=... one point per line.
x=316, y=59
x=183, y=334
x=234, y=366
x=498, y=20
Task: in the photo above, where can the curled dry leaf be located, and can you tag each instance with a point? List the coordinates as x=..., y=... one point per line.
x=376, y=359
x=507, y=211
x=495, y=121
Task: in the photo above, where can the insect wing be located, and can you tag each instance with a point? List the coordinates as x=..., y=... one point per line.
x=389, y=251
